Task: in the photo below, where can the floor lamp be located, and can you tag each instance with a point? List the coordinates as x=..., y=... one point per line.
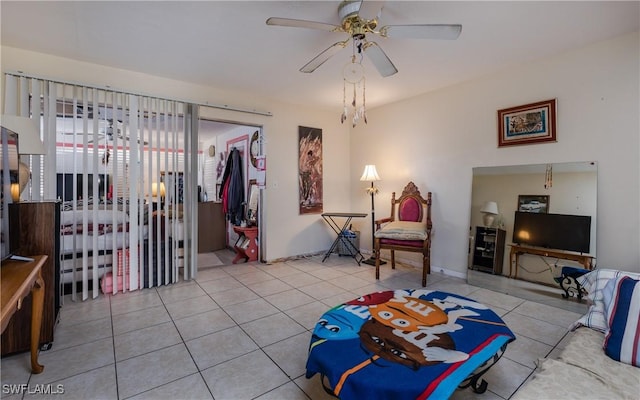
x=371, y=175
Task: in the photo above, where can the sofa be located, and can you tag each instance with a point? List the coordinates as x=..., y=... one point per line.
x=601, y=359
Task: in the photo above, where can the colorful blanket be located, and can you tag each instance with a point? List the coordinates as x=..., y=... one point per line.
x=404, y=344
x=102, y=229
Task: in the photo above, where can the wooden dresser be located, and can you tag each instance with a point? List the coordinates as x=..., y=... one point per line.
x=35, y=229
x=211, y=227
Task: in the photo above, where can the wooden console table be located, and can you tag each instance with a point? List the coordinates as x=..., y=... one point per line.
x=516, y=250
x=19, y=278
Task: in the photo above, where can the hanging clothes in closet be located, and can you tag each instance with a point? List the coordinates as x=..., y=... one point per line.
x=232, y=189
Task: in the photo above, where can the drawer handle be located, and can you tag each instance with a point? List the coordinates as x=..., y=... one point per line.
x=19, y=303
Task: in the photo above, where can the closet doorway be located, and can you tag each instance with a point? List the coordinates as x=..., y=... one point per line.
x=228, y=155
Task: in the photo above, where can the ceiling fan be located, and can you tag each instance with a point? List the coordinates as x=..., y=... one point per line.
x=359, y=19
x=110, y=131
x=107, y=134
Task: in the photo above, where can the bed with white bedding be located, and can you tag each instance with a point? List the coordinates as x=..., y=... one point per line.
x=91, y=234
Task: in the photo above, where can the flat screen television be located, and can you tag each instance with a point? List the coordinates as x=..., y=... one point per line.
x=553, y=231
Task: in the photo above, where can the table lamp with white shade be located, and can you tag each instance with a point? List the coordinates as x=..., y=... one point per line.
x=28, y=132
x=158, y=192
x=28, y=142
x=490, y=210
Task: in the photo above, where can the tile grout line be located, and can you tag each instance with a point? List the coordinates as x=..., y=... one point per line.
x=382, y=284
x=261, y=348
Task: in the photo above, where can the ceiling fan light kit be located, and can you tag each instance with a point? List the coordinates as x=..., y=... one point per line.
x=359, y=19
x=348, y=9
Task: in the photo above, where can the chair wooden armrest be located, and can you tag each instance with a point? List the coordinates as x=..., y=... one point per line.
x=379, y=222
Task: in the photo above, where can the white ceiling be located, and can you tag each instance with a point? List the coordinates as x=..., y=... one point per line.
x=227, y=45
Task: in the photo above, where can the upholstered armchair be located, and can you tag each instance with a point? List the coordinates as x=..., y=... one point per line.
x=407, y=229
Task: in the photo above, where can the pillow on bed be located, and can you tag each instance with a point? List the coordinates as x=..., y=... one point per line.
x=622, y=305
x=594, y=283
x=403, y=230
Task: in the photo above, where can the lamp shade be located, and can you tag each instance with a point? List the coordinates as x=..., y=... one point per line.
x=370, y=174
x=15, y=192
x=490, y=207
x=157, y=189
x=23, y=176
x=27, y=131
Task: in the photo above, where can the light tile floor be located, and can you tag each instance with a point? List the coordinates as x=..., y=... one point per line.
x=242, y=332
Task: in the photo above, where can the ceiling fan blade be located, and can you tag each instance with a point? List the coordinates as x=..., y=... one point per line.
x=79, y=133
x=379, y=59
x=94, y=141
x=140, y=141
x=128, y=139
x=370, y=9
x=300, y=23
x=424, y=31
x=67, y=110
x=324, y=56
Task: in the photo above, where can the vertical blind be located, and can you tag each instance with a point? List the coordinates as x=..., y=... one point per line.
x=106, y=150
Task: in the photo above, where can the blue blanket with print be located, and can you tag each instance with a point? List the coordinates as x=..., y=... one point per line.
x=404, y=344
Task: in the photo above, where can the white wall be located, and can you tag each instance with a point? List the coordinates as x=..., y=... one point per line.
x=437, y=138
x=287, y=232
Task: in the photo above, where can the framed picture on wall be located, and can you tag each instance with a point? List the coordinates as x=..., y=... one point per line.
x=533, y=203
x=310, y=170
x=527, y=124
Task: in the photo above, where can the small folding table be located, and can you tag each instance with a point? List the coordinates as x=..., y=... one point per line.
x=340, y=238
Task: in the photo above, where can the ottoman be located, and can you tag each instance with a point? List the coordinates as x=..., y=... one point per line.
x=406, y=344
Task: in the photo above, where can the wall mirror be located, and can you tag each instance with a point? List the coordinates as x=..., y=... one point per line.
x=568, y=188
x=252, y=203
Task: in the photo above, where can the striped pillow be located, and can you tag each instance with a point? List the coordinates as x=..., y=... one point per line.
x=594, y=283
x=622, y=340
